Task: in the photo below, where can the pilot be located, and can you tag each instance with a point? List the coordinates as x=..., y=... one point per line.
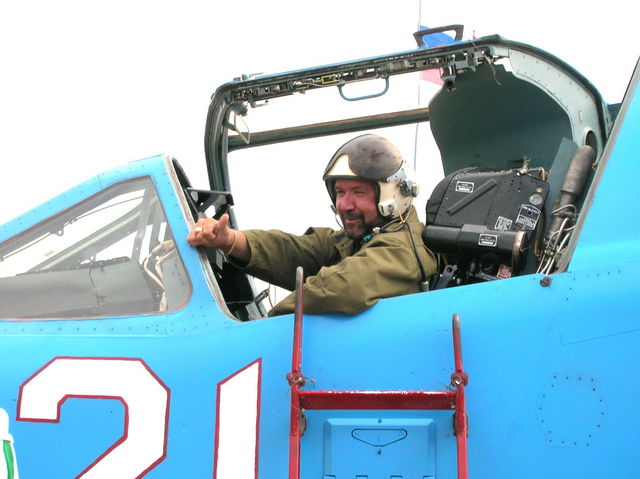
x=378, y=253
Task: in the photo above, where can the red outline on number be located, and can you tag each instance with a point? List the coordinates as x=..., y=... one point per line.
x=123, y=438
x=217, y=433
x=126, y=409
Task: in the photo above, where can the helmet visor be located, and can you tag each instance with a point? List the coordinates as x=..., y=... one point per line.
x=369, y=157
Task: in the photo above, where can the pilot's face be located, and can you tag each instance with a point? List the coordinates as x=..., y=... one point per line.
x=357, y=207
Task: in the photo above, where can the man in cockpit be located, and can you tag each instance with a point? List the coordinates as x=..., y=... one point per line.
x=378, y=253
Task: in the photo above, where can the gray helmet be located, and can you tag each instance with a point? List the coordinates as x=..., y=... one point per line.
x=373, y=158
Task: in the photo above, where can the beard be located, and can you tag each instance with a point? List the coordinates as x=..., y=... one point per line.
x=355, y=226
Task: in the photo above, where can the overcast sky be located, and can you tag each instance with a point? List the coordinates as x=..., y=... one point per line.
x=88, y=85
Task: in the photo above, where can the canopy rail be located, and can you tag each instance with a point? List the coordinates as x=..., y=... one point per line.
x=461, y=56
x=315, y=130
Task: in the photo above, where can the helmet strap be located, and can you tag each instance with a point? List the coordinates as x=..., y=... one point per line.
x=337, y=216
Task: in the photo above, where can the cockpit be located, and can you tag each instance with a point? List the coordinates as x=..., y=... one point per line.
x=505, y=149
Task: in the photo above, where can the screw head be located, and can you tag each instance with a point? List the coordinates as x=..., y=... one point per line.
x=546, y=281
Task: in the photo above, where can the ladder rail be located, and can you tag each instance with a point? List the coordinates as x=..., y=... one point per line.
x=453, y=399
x=459, y=379
x=296, y=381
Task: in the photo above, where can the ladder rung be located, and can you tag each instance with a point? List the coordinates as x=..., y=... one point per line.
x=377, y=400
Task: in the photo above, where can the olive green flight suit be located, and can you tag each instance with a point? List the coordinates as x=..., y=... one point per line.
x=339, y=275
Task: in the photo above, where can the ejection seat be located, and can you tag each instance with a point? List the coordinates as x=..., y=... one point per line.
x=483, y=222
x=509, y=146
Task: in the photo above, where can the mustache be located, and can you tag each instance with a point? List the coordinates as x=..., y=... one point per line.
x=349, y=215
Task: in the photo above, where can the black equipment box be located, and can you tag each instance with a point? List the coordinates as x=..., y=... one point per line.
x=509, y=200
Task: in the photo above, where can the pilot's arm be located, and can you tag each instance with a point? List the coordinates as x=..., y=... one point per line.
x=384, y=268
x=335, y=281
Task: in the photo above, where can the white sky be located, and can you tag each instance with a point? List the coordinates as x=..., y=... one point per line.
x=88, y=85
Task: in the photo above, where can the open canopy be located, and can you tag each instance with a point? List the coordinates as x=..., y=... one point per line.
x=500, y=102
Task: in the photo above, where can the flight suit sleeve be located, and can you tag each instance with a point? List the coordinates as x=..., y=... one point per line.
x=275, y=255
x=385, y=267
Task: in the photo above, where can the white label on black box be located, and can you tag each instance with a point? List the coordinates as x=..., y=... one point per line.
x=528, y=217
x=464, y=186
x=503, y=224
x=488, y=240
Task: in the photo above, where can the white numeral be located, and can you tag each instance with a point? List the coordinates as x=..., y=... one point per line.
x=144, y=396
x=237, y=425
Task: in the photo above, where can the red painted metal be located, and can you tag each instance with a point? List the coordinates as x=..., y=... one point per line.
x=378, y=399
x=426, y=400
x=296, y=380
x=459, y=380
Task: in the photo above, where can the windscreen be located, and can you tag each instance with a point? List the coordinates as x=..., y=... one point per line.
x=111, y=254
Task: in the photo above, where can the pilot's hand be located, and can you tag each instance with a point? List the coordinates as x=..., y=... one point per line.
x=212, y=233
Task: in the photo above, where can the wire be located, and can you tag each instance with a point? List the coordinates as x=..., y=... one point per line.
x=423, y=273
x=570, y=206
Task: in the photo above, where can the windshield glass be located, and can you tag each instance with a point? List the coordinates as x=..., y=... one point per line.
x=110, y=254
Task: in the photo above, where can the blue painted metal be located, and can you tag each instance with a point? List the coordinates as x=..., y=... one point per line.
x=610, y=233
x=365, y=447
x=552, y=370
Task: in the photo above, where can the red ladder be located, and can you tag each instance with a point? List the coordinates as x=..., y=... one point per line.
x=343, y=400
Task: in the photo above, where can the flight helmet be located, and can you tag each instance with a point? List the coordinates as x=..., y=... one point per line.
x=373, y=158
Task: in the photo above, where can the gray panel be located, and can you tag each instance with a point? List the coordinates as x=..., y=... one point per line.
x=493, y=119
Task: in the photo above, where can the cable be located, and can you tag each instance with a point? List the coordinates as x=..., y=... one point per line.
x=425, y=283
